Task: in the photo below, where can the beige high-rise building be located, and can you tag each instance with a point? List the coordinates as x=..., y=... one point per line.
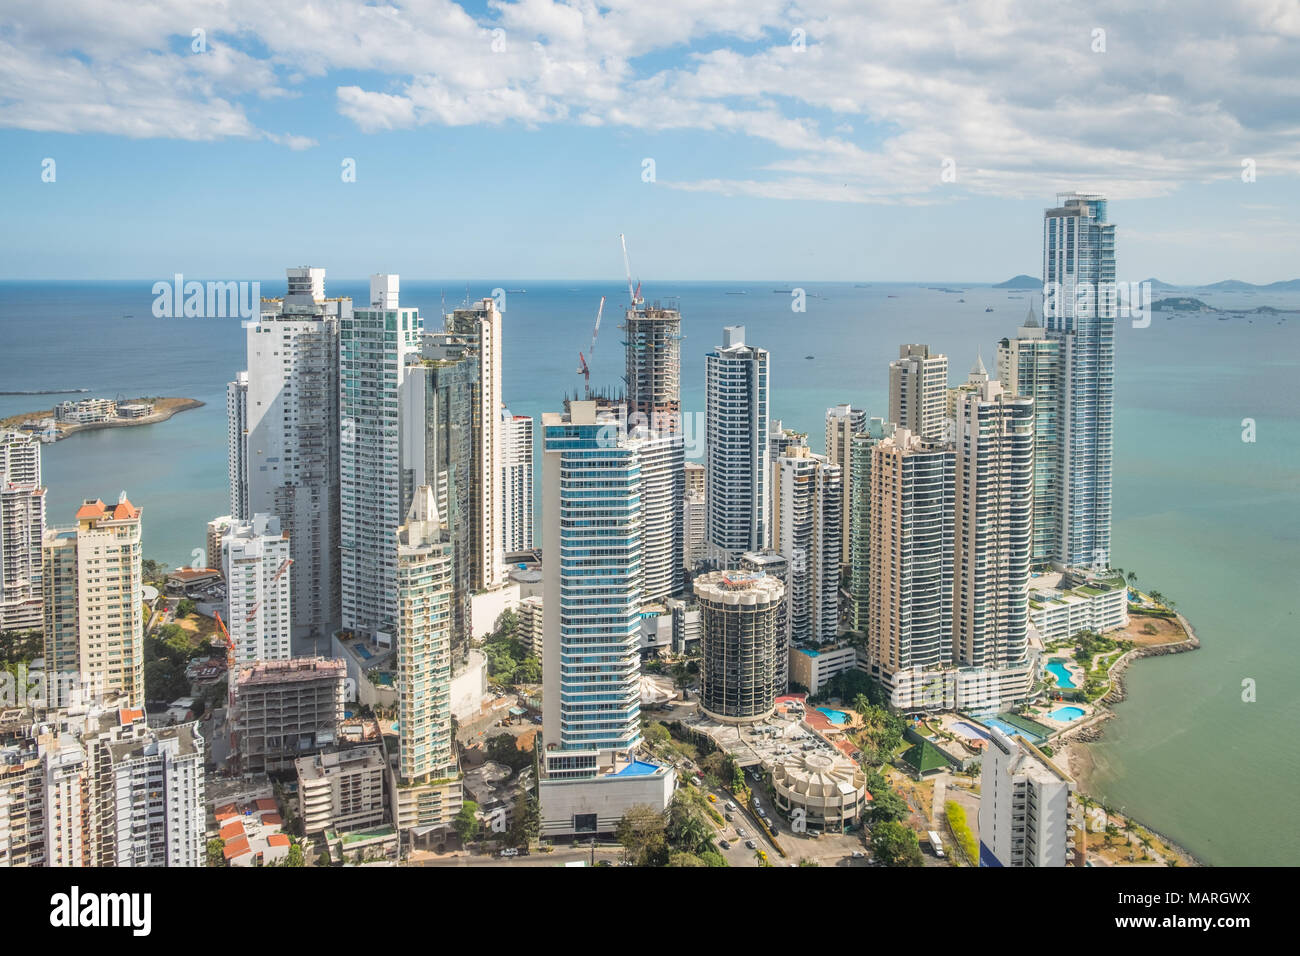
x=807, y=509
x=94, y=628
x=842, y=423
x=918, y=391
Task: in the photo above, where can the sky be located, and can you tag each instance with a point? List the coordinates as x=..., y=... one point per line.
x=734, y=139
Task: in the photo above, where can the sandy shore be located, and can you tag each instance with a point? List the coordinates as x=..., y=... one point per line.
x=164, y=408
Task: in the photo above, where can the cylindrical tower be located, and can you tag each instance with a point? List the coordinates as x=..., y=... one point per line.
x=738, y=617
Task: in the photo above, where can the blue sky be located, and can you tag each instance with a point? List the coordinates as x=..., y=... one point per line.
x=521, y=152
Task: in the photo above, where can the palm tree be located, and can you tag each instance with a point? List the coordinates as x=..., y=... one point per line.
x=1132, y=577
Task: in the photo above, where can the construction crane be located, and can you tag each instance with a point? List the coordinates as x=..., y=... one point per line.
x=284, y=566
x=231, y=676
x=583, y=368
x=635, y=296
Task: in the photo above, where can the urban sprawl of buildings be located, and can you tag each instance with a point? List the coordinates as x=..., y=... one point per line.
x=381, y=521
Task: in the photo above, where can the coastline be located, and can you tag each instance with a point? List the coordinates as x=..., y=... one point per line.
x=1073, y=745
x=165, y=408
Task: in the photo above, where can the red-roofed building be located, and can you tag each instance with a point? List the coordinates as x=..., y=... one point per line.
x=267, y=804
x=237, y=849
x=234, y=828
x=277, y=839
x=225, y=812
x=129, y=716
x=271, y=820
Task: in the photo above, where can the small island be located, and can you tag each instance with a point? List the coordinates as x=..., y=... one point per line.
x=68, y=418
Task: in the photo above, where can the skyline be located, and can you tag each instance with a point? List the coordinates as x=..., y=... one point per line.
x=823, y=155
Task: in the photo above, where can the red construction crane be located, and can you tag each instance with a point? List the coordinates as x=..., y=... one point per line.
x=284, y=566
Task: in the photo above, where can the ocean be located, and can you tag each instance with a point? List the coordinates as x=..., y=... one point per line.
x=1210, y=520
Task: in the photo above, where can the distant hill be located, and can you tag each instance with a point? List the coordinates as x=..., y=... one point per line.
x=1160, y=286
x=1236, y=285
x=1021, y=282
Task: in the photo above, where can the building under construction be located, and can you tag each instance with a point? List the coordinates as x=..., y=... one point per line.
x=284, y=710
x=653, y=340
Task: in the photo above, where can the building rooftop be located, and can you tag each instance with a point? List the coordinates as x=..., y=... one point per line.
x=296, y=669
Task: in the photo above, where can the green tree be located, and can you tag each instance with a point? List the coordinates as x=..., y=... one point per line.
x=295, y=857
x=682, y=858
x=529, y=671
x=526, y=822
x=466, y=823
x=216, y=852
x=887, y=806
x=642, y=835
x=185, y=607
x=895, y=844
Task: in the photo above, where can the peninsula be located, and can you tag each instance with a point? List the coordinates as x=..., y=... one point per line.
x=68, y=418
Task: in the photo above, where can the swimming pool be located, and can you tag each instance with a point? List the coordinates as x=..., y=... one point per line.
x=1056, y=667
x=361, y=649
x=835, y=716
x=1011, y=731
x=1066, y=714
x=637, y=768
x=969, y=731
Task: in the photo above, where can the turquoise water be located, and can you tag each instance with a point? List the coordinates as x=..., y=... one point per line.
x=1066, y=714
x=637, y=768
x=1212, y=522
x=835, y=716
x=1011, y=731
x=970, y=731
x=1057, y=667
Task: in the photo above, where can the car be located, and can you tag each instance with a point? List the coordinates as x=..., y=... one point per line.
x=729, y=816
x=730, y=805
x=740, y=831
x=724, y=844
x=858, y=855
x=751, y=844
x=713, y=798
x=510, y=851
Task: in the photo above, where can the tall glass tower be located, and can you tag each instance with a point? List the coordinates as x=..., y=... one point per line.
x=1079, y=309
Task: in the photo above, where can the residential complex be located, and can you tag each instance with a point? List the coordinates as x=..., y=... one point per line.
x=285, y=709
x=858, y=505
x=94, y=626
x=807, y=504
x=842, y=423
x=22, y=529
x=1025, y=806
x=237, y=445
x=736, y=441
x=918, y=388
x=517, y=482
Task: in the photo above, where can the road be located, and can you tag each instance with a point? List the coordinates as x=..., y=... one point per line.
x=559, y=857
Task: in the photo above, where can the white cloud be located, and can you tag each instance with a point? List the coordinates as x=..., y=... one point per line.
x=1010, y=90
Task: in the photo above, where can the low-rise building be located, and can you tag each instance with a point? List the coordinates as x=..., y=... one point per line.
x=342, y=790
x=86, y=411
x=1062, y=605
x=829, y=789
x=530, y=624
x=1025, y=806
x=812, y=667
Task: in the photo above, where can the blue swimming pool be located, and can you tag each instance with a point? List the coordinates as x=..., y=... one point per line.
x=637, y=768
x=1066, y=714
x=1011, y=731
x=1056, y=667
x=835, y=716
x=969, y=731
x=361, y=649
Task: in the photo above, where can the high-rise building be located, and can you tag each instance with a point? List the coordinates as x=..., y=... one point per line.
x=993, y=528
x=909, y=600
x=774, y=565
x=255, y=561
x=517, y=482
x=1029, y=365
x=22, y=529
x=427, y=791
x=1079, y=310
x=694, y=517
x=740, y=672
x=663, y=484
x=291, y=438
x=237, y=445
x=918, y=387
x=781, y=439
x=1025, y=806
x=94, y=625
x=653, y=342
x=736, y=443
x=807, y=505
x=594, y=526
x=375, y=345
x=842, y=423
x=859, y=509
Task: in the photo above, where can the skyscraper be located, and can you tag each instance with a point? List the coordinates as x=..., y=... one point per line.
x=94, y=627
x=918, y=384
x=1029, y=365
x=859, y=508
x=736, y=440
x=1025, y=804
x=256, y=564
x=842, y=423
x=910, y=594
x=807, y=504
x=237, y=445
x=375, y=344
x=1079, y=307
x=993, y=528
x=592, y=509
x=653, y=342
x=291, y=438
x=738, y=616
x=22, y=529
x=662, y=457
x=694, y=516
x=428, y=790
x=517, y=481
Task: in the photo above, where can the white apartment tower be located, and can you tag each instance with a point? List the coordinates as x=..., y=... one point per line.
x=517, y=481
x=807, y=506
x=694, y=517
x=738, y=496
x=94, y=627
x=842, y=423
x=256, y=561
x=375, y=344
x=237, y=445
x=1025, y=806
x=993, y=528
x=291, y=438
x=22, y=529
x=918, y=386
